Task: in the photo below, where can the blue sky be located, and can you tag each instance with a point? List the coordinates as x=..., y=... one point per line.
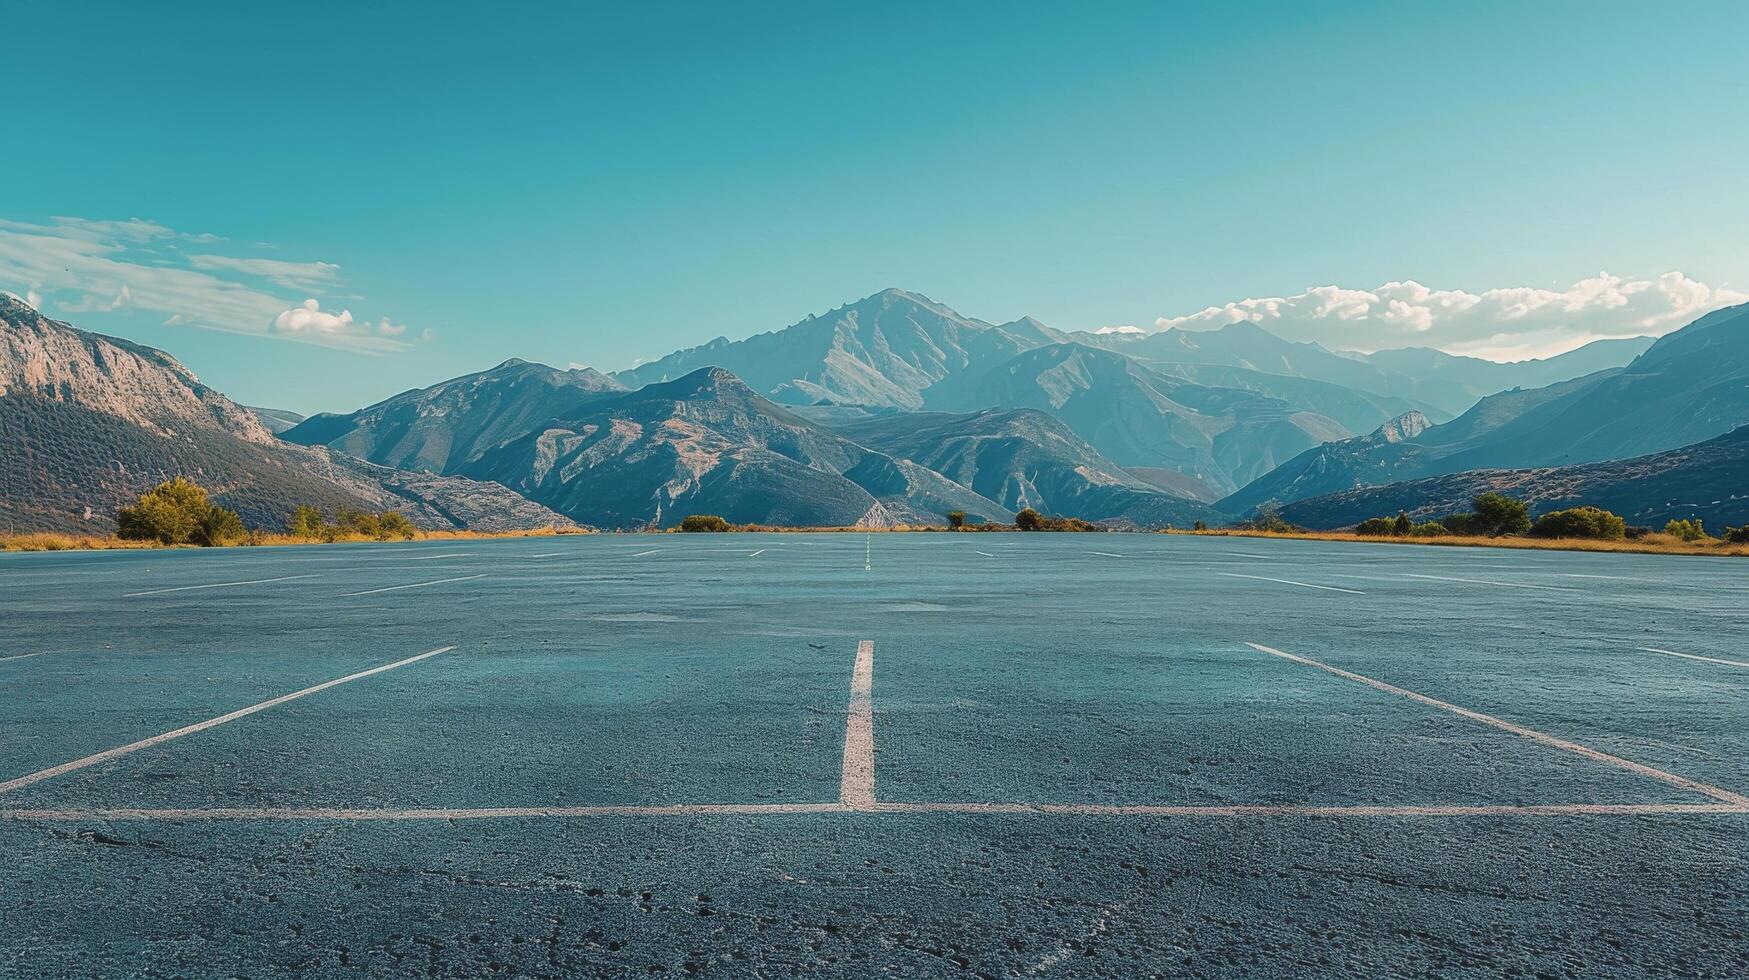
x=598, y=185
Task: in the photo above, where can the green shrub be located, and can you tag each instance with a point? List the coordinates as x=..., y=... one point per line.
x=1737, y=535
x=394, y=524
x=697, y=523
x=1580, y=522
x=1459, y=524
x=1402, y=525
x=1029, y=520
x=1430, y=529
x=1199, y=526
x=1637, y=531
x=219, y=527
x=1377, y=527
x=956, y=519
x=178, y=512
x=1269, y=519
x=1498, y=514
x=1689, y=530
x=306, y=522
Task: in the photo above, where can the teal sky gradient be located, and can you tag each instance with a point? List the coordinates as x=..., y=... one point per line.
x=602, y=184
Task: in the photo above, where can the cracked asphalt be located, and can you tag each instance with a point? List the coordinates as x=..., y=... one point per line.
x=1066, y=670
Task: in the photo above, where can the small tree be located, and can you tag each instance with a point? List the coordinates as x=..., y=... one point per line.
x=696, y=523
x=1498, y=514
x=1402, y=525
x=956, y=519
x=178, y=512
x=1737, y=535
x=1028, y=520
x=1199, y=526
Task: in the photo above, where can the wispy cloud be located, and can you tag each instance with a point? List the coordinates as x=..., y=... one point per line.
x=1504, y=324
x=69, y=266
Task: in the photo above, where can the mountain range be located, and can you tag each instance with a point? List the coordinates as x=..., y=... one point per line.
x=891, y=409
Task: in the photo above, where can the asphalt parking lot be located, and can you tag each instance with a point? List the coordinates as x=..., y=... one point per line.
x=920, y=754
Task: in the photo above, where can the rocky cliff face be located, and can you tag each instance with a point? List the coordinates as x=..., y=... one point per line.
x=54, y=361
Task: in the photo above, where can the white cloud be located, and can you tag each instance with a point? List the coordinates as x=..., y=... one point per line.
x=1507, y=323
x=69, y=266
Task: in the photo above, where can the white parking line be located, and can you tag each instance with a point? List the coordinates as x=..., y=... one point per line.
x=761, y=551
x=1503, y=585
x=1106, y=554
x=1690, y=656
x=218, y=585
x=1722, y=795
x=550, y=554
x=776, y=809
x=1299, y=810
x=459, y=554
x=415, y=585
x=642, y=554
x=146, y=743
x=1289, y=581
x=21, y=656
x=857, y=785
x=1242, y=554
x=986, y=554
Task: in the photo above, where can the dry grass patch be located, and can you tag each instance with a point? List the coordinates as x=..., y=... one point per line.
x=1651, y=544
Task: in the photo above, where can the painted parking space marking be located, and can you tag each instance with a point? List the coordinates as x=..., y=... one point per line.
x=413, y=585
x=20, y=656
x=857, y=783
x=986, y=554
x=217, y=585
x=645, y=554
x=1483, y=581
x=1289, y=581
x=1552, y=741
x=761, y=551
x=146, y=743
x=1106, y=554
x=1690, y=656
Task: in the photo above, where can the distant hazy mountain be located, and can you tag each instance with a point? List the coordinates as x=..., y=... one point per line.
x=1247, y=345
x=442, y=428
x=1355, y=409
x=1477, y=377
x=275, y=420
x=87, y=422
x=889, y=349
x=706, y=443
x=1437, y=384
x=1709, y=480
x=1222, y=437
x=1023, y=459
x=1689, y=386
